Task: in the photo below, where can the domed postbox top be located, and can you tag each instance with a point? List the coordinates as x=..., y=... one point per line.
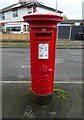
x=49, y=20
x=43, y=17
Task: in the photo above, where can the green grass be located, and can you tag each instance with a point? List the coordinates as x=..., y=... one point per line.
x=64, y=44
x=61, y=93
x=28, y=44
x=14, y=45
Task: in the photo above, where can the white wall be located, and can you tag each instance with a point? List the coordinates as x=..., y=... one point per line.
x=83, y=10
x=21, y=13
x=42, y=10
x=9, y=15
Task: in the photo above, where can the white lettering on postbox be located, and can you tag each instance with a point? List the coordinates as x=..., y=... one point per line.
x=43, y=51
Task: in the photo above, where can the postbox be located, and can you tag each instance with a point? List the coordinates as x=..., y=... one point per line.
x=43, y=29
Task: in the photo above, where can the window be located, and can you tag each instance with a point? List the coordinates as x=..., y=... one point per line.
x=2, y=16
x=24, y=28
x=15, y=13
x=13, y=28
x=30, y=10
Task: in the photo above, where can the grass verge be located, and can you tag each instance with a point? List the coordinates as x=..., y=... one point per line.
x=28, y=44
x=15, y=45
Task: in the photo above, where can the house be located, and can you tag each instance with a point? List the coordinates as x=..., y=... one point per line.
x=16, y=11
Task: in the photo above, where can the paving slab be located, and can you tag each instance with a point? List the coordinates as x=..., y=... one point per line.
x=17, y=102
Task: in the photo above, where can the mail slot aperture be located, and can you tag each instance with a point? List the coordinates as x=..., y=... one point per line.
x=43, y=35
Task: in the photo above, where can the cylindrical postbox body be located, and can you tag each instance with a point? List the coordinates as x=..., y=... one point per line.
x=43, y=28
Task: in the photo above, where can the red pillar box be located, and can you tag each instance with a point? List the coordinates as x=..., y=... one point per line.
x=43, y=29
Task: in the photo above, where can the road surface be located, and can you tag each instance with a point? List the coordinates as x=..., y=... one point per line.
x=16, y=64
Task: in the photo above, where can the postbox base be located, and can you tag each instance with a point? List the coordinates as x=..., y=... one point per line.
x=41, y=99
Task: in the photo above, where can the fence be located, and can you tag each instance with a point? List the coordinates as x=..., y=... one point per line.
x=14, y=37
x=70, y=32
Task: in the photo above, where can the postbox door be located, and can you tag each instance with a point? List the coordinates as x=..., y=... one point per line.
x=43, y=57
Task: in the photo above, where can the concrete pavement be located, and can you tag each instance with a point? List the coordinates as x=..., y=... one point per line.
x=17, y=102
